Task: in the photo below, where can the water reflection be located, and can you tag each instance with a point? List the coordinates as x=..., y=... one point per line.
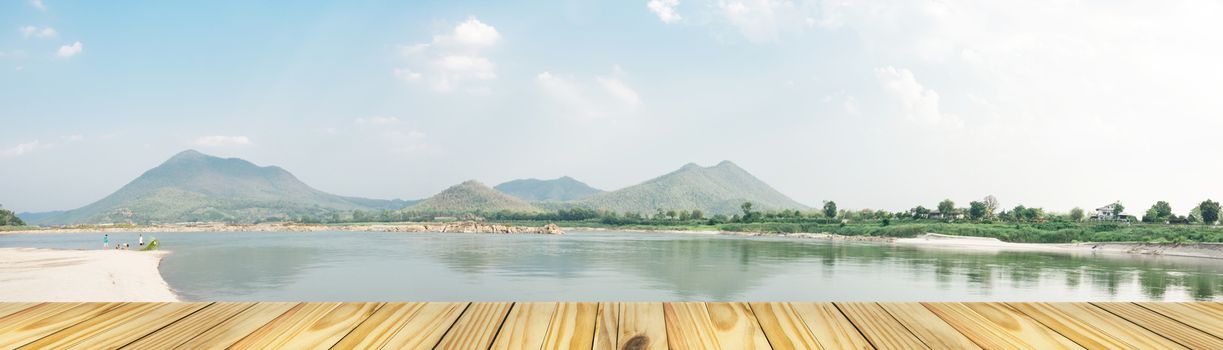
x=634, y=266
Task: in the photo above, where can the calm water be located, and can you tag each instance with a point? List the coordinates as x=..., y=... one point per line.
x=348, y=266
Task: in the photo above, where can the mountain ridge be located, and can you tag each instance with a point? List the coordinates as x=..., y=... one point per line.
x=717, y=189
x=193, y=186
x=560, y=189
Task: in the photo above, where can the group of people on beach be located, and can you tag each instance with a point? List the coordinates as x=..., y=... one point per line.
x=119, y=246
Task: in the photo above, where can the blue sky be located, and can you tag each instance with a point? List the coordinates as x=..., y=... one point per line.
x=882, y=104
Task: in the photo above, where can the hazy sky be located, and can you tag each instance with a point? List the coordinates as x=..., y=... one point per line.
x=874, y=104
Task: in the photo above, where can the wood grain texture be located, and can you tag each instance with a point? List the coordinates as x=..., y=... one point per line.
x=689, y=327
x=309, y=326
x=11, y=308
x=994, y=326
x=925, y=325
x=189, y=327
x=1176, y=331
x=607, y=326
x=642, y=326
x=1093, y=328
x=572, y=327
x=25, y=326
x=235, y=328
x=526, y=327
x=736, y=326
x=476, y=328
x=783, y=327
x=830, y=327
x=879, y=327
x=375, y=331
x=117, y=327
x=426, y=327
x=1197, y=315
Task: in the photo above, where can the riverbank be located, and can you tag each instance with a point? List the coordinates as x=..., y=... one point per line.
x=443, y=227
x=53, y=275
x=1193, y=250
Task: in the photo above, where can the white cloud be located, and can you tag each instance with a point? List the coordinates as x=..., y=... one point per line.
x=763, y=20
x=917, y=102
x=377, y=120
x=474, y=33
x=34, y=32
x=665, y=9
x=21, y=149
x=850, y=106
x=600, y=97
x=222, y=141
x=70, y=50
x=38, y=5
x=453, y=61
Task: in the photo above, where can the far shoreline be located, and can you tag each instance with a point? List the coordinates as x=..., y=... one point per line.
x=928, y=240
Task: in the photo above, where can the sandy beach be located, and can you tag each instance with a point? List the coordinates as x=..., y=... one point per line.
x=1192, y=250
x=29, y=274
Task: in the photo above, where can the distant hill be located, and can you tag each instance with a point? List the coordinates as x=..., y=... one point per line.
x=558, y=190
x=468, y=197
x=718, y=189
x=192, y=186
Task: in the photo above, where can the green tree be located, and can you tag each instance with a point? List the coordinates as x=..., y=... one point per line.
x=976, y=210
x=697, y=214
x=920, y=212
x=1118, y=208
x=1210, y=211
x=1018, y=212
x=1151, y=216
x=1076, y=214
x=671, y=214
x=830, y=209
x=991, y=205
x=684, y=215
x=748, y=214
x=946, y=206
x=8, y=218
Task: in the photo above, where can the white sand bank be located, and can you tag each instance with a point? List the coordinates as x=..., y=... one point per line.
x=1192, y=250
x=29, y=274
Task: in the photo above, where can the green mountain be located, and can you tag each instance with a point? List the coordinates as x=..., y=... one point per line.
x=468, y=197
x=192, y=186
x=557, y=190
x=718, y=189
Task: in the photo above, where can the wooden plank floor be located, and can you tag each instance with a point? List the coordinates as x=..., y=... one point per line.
x=695, y=325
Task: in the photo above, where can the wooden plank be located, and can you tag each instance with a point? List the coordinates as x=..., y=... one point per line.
x=1178, y=332
x=526, y=327
x=883, y=331
x=189, y=327
x=736, y=326
x=607, y=327
x=572, y=327
x=784, y=327
x=11, y=308
x=313, y=326
x=476, y=328
x=830, y=327
x=25, y=326
x=235, y=328
x=642, y=326
x=1196, y=315
x=689, y=326
x=994, y=326
x=925, y=325
x=1093, y=328
x=426, y=327
x=375, y=331
x=117, y=327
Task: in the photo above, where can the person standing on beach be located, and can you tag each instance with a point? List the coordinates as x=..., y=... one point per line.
x=141, y=239
x=106, y=241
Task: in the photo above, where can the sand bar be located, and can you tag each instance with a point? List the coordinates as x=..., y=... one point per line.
x=30, y=274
